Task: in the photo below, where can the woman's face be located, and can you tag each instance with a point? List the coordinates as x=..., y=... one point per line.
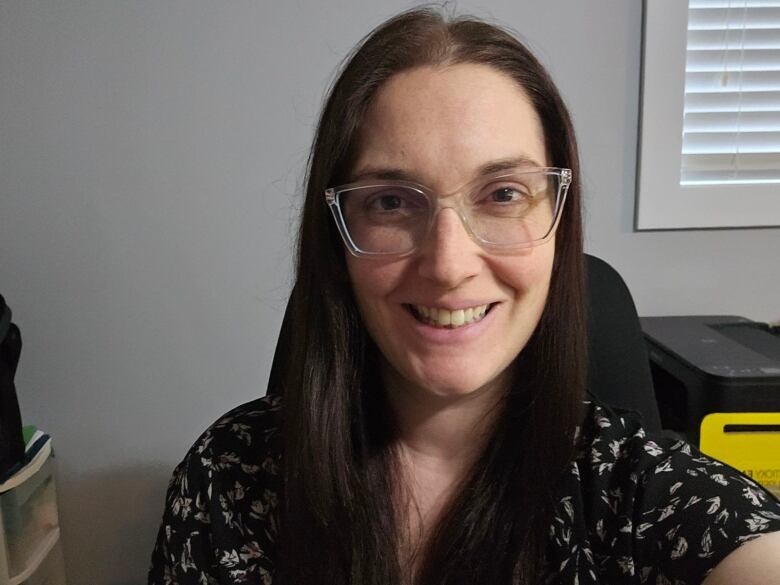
x=439, y=126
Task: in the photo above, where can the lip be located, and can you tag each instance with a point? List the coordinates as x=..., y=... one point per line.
x=445, y=335
x=454, y=306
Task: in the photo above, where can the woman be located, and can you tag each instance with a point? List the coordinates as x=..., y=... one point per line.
x=433, y=427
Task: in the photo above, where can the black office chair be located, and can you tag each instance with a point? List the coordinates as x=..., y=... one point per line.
x=619, y=369
x=619, y=372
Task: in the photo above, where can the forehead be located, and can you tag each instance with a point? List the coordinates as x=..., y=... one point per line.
x=441, y=125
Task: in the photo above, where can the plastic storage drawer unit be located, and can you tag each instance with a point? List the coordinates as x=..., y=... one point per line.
x=30, y=551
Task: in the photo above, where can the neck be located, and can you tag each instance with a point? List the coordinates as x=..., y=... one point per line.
x=439, y=438
x=442, y=433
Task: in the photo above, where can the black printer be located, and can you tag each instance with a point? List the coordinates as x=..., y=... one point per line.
x=704, y=364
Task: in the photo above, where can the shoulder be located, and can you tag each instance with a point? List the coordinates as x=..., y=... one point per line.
x=663, y=470
x=219, y=522
x=617, y=450
x=244, y=431
x=616, y=454
x=241, y=448
x=655, y=505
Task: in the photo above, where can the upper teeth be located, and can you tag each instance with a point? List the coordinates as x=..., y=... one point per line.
x=447, y=318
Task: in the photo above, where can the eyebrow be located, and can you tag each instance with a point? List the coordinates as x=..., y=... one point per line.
x=396, y=174
x=507, y=164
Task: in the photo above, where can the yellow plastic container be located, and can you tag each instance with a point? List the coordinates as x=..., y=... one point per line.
x=748, y=441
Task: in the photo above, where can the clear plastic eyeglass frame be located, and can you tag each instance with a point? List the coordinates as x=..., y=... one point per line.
x=436, y=204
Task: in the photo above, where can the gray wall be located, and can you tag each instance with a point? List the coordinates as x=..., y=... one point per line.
x=150, y=161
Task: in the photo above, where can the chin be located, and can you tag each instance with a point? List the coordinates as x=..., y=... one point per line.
x=460, y=385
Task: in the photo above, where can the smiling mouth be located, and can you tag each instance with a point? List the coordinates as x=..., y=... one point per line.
x=444, y=318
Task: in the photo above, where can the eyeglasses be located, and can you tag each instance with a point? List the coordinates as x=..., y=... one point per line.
x=505, y=211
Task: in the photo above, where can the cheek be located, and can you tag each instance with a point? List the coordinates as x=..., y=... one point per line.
x=372, y=282
x=531, y=274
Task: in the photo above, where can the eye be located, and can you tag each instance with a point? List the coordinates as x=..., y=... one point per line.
x=505, y=195
x=388, y=202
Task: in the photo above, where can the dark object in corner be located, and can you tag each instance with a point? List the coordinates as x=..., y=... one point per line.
x=11, y=441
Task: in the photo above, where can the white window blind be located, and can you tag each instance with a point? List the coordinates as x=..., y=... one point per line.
x=731, y=116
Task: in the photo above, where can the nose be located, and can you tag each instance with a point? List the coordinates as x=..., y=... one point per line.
x=449, y=257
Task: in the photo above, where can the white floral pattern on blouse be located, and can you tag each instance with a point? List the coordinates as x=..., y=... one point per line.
x=633, y=509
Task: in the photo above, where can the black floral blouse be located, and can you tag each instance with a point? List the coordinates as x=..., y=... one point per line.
x=632, y=510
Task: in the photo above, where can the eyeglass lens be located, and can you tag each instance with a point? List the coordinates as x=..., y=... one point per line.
x=393, y=218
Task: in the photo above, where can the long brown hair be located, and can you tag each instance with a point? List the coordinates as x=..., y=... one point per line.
x=337, y=522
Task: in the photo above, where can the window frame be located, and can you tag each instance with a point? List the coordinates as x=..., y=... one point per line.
x=662, y=203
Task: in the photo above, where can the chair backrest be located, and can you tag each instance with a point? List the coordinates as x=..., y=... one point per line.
x=619, y=372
